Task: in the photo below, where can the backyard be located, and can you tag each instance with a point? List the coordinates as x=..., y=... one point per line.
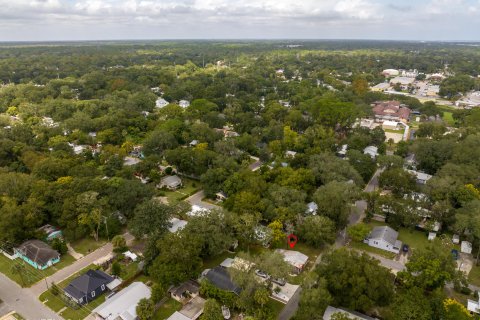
x=189, y=187
x=167, y=309
x=87, y=245
x=30, y=275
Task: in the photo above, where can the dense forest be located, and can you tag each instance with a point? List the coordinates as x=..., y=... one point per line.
x=71, y=113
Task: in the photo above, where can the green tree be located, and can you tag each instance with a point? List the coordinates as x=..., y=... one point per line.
x=151, y=218
x=119, y=243
x=145, y=309
x=429, y=268
x=358, y=232
x=211, y=310
x=335, y=200
x=411, y=304
x=317, y=231
x=399, y=181
x=356, y=281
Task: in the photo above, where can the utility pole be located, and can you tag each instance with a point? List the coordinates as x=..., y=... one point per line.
x=106, y=227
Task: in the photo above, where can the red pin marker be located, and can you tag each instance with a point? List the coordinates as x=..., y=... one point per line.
x=292, y=240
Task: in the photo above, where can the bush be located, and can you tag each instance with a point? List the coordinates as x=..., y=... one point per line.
x=54, y=289
x=60, y=246
x=116, y=268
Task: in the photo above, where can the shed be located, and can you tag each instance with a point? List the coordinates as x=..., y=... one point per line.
x=466, y=247
x=456, y=239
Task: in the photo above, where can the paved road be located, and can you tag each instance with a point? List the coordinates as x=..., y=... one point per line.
x=78, y=265
x=196, y=199
x=23, y=301
x=373, y=183
x=291, y=307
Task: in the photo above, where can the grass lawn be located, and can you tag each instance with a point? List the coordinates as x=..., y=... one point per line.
x=215, y=261
x=56, y=303
x=84, y=245
x=365, y=247
x=474, y=275
x=189, y=188
x=414, y=238
x=448, y=118
x=167, y=309
x=31, y=275
x=128, y=271
x=82, y=313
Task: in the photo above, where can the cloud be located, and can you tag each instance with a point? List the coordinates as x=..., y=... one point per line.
x=209, y=18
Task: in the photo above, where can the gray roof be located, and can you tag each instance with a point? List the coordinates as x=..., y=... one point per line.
x=87, y=282
x=171, y=181
x=38, y=251
x=220, y=278
x=123, y=305
x=384, y=233
x=191, y=286
x=352, y=314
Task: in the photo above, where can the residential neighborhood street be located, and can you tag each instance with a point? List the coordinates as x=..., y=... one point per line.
x=23, y=301
x=78, y=265
x=196, y=199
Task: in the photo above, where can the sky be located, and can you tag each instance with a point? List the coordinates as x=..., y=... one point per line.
x=59, y=20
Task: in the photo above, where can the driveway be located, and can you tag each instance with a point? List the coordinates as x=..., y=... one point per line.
x=23, y=301
x=393, y=265
x=75, y=267
x=196, y=200
x=373, y=183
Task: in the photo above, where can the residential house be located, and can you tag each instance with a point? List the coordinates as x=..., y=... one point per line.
x=342, y=153
x=221, y=196
x=330, y=311
x=38, y=254
x=220, y=278
x=130, y=255
x=384, y=238
x=290, y=154
x=295, y=258
x=184, y=103
x=187, y=290
x=312, y=208
x=160, y=103
x=176, y=225
x=178, y=316
x=466, y=247
x=474, y=305
x=170, y=182
x=88, y=286
x=193, y=309
x=51, y=232
x=421, y=177
x=390, y=110
x=372, y=151
x=131, y=161
x=123, y=305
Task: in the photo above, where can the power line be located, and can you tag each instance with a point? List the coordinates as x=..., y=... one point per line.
x=39, y=276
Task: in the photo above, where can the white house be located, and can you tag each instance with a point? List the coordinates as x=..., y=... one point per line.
x=473, y=306
x=176, y=225
x=290, y=154
x=184, y=103
x=295, y=258
x=312, y=208
x=384, y=238
x=122, y=306
x=160, y=103
x=422, y=177
x=372, y=151
x=390, y=125
x=330, y=311
x=466, y=247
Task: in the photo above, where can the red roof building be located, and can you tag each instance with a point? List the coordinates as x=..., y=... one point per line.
x=390, y=110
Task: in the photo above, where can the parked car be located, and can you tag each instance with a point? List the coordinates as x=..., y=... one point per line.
x=455, y=254
x=280, y=282
x=405, y=248
x=262, y=274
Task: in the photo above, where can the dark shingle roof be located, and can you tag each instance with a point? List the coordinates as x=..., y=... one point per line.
x=219, y=277
x=87, y=282
x=38, y=251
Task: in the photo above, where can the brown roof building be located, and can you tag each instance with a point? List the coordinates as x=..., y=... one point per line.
x=390, y=110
